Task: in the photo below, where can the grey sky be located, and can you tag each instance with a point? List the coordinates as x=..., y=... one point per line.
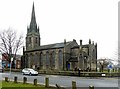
x=66, y=19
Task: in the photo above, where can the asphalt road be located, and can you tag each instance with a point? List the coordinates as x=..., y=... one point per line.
x=66, y=81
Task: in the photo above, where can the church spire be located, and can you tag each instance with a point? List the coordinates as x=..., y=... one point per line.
x=33, y=25
x=33, y=19
x=33, y=35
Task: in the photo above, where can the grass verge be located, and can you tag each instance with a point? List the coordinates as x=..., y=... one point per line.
x=12, y=85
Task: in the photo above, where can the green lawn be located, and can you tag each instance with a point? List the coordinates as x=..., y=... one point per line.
x=12, y=85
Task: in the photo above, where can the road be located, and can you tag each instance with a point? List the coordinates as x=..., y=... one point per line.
x=66, y=81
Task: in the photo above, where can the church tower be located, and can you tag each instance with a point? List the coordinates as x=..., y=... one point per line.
x=33, y=35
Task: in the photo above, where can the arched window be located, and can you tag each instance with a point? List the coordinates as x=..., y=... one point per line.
x=31, y=62
x=93, y=56
x=36, y=39
x=41, y=60
x=29, y=39
x=36, y=60
x=60, y=58
x=52, y=60
x=26, y=61
x=47, y=60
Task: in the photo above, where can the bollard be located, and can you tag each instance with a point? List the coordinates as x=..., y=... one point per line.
x=15, y=79
x=74, y=85
x=91, y=87
x=46, y=82
x=35, y=82
x=24, y=80
x=6, y=79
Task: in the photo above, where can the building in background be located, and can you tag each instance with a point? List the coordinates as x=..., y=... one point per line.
x=66, y=55
x=15, y=64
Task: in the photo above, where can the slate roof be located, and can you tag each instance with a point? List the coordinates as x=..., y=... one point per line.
x=56, y=45
x=51, y=46
x=75, y=47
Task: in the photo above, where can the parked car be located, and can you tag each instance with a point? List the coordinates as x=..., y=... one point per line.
x=29, y=71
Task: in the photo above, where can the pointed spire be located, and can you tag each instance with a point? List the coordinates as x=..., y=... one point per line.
x=33, y=28
x=33, y=19
x=33, y=25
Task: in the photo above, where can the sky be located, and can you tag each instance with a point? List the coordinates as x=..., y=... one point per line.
x=66, y=19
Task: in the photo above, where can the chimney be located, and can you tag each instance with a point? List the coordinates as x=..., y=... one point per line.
x=80, y=42
x=64, y=41
x=89, y=41
x=74, y=40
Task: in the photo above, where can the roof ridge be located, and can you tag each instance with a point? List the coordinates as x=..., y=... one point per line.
x=55, y=43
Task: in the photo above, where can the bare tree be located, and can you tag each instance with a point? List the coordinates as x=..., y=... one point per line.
x=104, y=63
x=10, y=43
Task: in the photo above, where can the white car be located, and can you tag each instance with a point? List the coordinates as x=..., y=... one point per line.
x=29, y=71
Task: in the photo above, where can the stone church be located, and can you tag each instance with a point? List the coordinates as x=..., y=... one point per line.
x=66, y=55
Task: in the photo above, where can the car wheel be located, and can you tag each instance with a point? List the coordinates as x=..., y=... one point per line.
x=30, y=74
